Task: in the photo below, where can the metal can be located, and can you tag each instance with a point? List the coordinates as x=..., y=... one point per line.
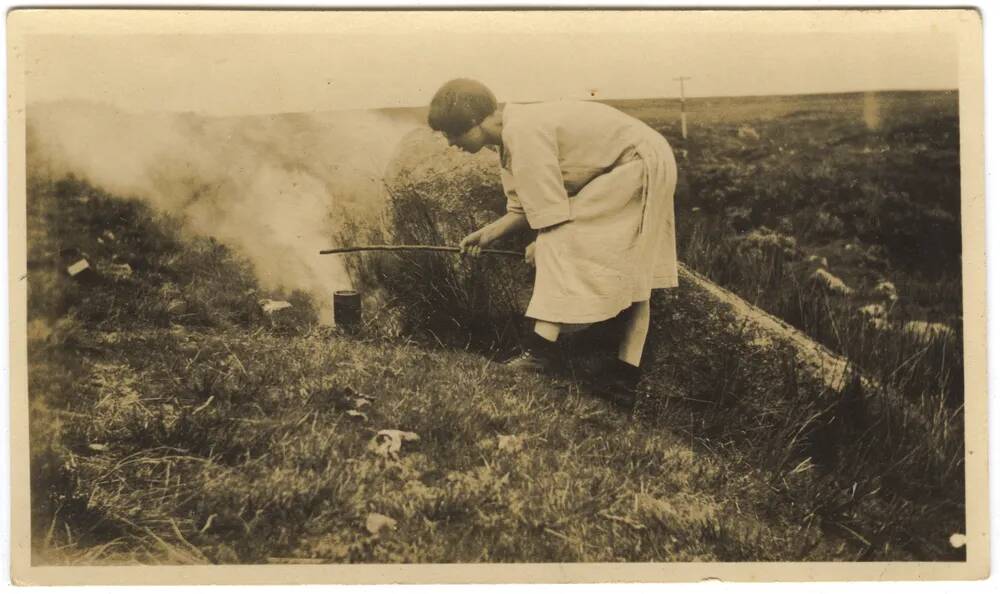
x=347, y=310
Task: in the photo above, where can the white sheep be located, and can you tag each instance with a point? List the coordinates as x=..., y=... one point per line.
x=929, y=331
x=818, y=260
x=829, y=282
x=873, y=310
x=876, y=315
x=887, y=291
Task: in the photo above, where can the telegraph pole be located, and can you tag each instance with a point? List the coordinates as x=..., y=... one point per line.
x=684, y=122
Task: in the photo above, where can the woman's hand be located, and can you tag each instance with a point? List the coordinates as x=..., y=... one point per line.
x=473, y=243
x=529, y=254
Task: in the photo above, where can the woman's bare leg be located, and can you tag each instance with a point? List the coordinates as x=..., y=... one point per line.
x=547, y=330
x=636, y=329
x=550, y=331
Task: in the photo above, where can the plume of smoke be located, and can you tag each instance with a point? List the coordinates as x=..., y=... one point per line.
x=272, y=187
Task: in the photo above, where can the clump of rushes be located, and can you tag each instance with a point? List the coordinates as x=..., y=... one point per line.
x=435, y=196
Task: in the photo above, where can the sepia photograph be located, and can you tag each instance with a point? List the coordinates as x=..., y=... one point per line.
x=497, y=295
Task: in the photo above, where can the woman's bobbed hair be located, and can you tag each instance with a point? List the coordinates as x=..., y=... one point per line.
x=459, y=105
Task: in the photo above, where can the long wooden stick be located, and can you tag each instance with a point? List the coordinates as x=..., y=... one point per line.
x=414, y=248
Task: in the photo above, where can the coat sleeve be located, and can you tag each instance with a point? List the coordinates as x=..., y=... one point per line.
x=537, y=177
x=513, y=202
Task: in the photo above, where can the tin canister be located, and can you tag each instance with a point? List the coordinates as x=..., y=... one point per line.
x=347, y=310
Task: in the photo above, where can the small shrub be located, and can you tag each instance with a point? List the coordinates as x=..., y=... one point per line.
x=436, y=196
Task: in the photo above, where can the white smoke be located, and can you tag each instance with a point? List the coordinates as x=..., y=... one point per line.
x=275, y=188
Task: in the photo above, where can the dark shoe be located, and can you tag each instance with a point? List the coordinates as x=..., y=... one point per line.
x=530, y=361
x=539, y=356
x=619, y=382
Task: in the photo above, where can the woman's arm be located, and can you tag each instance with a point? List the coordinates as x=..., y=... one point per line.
x=512, y=222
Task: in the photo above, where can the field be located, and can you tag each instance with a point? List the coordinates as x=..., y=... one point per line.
x=173, y=420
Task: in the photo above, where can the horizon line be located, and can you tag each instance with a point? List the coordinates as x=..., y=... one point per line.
x=94, y=102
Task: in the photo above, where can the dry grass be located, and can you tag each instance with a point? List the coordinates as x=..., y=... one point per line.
x=242, y=442
x=505, y=469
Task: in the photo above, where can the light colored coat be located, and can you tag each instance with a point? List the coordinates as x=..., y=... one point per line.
x=598, y=185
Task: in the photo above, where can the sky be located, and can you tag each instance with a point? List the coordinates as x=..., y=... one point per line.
x=365, y=67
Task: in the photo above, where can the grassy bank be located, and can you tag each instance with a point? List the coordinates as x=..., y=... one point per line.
x=181, y=425
x=172, y=421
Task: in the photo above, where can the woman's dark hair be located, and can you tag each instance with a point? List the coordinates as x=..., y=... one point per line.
x=459, y=105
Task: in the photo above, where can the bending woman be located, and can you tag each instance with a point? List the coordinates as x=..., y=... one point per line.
x=598, y=187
